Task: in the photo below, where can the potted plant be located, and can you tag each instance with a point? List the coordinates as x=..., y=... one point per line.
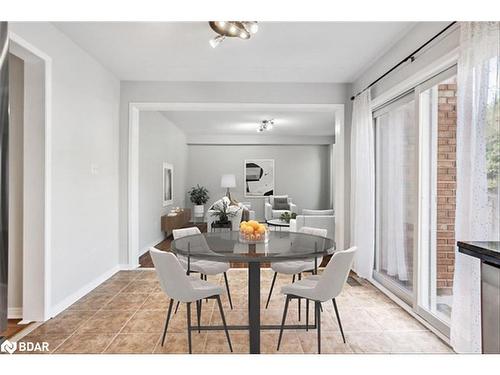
x=198, y=196
x=222, y=213
x=286, y=216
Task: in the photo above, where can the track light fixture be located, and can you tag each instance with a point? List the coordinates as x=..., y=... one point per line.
x=265, y=125
x=232, y=29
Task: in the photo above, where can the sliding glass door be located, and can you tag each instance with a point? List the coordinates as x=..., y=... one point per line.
x=415, y=176
x=396, y=192
x=438, y=122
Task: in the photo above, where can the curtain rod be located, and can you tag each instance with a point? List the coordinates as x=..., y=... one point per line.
x=410, y=57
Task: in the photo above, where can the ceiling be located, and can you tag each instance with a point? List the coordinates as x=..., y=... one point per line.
x=287, y=123
x=279, y=52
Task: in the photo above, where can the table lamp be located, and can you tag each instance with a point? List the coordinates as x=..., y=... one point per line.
x=228, y=181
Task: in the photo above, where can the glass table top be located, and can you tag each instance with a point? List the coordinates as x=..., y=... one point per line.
x=226, y=247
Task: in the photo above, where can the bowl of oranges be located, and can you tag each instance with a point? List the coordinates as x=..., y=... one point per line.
x=253, y=232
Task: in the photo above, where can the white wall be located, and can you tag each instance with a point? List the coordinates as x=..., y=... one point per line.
x=159, y=141
x=84, y=180
x=16, y=106
x=301, y=172
x=235, y=92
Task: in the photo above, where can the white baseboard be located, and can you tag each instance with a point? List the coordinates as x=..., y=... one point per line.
x=15, y=313
x=145, y=249
x=128, y=267
x=68, y=301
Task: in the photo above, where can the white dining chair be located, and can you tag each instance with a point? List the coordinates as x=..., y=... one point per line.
x=296, y=267
x=321, y=288
x=182, y=288
x=204, y=267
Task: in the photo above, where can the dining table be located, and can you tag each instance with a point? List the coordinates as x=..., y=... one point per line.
x=229, y=247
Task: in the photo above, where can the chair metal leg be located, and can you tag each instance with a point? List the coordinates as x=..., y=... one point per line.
x=283, y=321
x=271, y=290
x=307, y=315
x=293, y=279
x=228, y=292
x=224, y=323
x=300, y=278
x=176, y=307
x=188, y=309
x=338, y=318
x=318, y=322
x=198, y=314
x=167, y=320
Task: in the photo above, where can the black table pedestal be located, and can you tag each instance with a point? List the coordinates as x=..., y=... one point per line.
x=254, y=306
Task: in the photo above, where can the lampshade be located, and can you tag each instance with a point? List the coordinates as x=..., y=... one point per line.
x=228, y=181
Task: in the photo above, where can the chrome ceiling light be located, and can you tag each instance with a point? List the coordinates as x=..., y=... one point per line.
x=265, y=125
x=232, y=29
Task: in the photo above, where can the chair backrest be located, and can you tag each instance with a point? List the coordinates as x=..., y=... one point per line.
x=271, y=198
x=179, y=233
x=173, y=279
x=198, y=243
x=335, y=275
x=314, y=231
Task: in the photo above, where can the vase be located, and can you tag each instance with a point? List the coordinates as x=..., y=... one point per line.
x=199, y=210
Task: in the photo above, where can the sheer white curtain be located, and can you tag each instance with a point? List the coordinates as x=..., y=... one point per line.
x=394, y=133
x=362, y=185
x=477, y=96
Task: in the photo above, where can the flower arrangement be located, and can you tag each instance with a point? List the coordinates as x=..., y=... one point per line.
x=252, y=231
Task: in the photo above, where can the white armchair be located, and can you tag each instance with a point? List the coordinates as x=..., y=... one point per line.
x=324, y=219
x=271, y=211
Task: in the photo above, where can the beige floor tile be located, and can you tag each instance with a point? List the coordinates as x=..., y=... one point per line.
x=358, y=320
x=417, y=342
x=145, y=321
x=126, y=275
x=233, y=317
x=85, y=343
x=290, y=343
x=331, y=343
x=156, y=301
x=148, y=275
x=126, y=301
x=141, y=286
x=133, y=343
x=394, y=319
x=106, y=321
x=111, y=287
x=92, y=302
x=177, y=343
x=66, y=322
x=369, y=342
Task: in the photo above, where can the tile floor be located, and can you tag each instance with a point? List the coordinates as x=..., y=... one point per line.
x=126, y=314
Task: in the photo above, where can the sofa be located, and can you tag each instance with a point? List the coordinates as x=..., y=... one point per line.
x=236, y=219
x=324, y=219
x=272, y=212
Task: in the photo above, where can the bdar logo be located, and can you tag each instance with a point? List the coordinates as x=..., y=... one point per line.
x=8, y=347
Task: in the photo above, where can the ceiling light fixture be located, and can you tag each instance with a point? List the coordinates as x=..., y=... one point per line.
x=265, y=125
x=232, y=29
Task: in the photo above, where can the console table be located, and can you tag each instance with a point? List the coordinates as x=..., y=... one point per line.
x=169, y=223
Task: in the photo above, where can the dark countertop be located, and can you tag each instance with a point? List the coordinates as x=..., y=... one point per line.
x=487, y=251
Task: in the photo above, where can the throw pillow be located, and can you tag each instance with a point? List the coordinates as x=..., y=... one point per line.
x=281, y=203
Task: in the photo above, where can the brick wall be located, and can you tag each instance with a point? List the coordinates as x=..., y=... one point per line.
x=446, y=186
